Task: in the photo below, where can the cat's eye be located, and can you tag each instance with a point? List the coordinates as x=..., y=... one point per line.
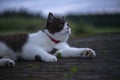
x=67, y=24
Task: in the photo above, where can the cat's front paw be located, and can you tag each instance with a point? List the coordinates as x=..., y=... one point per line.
x=87, y=52
x=49, y=58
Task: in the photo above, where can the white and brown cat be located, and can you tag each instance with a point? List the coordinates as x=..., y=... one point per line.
x=43, y=45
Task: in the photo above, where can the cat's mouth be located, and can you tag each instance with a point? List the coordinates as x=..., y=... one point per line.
x=68, y=31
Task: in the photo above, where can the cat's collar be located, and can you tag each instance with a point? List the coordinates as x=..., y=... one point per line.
x=51, y=38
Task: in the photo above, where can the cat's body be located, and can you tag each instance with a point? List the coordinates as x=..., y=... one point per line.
x=38, y=46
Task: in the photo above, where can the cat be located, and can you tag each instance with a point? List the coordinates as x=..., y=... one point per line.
x=43, y=45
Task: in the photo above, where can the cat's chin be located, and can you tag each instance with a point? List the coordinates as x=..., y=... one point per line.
x=61, y=36
x=68, y=32
x=65, y=33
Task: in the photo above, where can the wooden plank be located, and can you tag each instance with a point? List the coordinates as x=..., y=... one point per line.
x=106, y=66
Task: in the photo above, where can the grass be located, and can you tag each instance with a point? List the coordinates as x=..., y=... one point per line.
x=106, y=30
x=22, y=24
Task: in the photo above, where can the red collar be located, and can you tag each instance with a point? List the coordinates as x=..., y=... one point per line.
x=52, y=39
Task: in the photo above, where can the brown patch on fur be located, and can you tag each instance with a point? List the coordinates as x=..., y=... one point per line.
x=15, y=42
x=54, y=24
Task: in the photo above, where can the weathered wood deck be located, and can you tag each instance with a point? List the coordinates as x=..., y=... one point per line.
x=106, y=66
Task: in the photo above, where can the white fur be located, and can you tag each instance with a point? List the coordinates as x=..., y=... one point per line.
x=6, y=61
x=76, y=52
x=6, y=52
x=40, y=44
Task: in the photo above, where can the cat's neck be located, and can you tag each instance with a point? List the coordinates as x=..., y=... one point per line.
x=57, y=36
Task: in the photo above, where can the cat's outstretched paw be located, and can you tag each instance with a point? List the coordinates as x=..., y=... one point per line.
x=7, y=63
x=49, y=58
x=87, y=52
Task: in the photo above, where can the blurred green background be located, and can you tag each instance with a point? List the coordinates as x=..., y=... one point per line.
x=24, y=21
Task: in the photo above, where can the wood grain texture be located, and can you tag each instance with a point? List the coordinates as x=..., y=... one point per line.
x=106, y=66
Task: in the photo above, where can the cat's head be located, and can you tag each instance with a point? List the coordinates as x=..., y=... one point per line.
x=57, y=25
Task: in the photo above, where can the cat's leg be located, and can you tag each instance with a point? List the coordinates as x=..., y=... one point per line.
x=7, y=56
x=31, y=52
x=64, y=50
x=6, y=62
x=76, y=52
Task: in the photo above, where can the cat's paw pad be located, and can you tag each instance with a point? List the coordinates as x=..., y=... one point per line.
x=88, y=53
x=50, y=58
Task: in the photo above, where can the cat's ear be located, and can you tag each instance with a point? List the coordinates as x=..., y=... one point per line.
x=50, y=18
